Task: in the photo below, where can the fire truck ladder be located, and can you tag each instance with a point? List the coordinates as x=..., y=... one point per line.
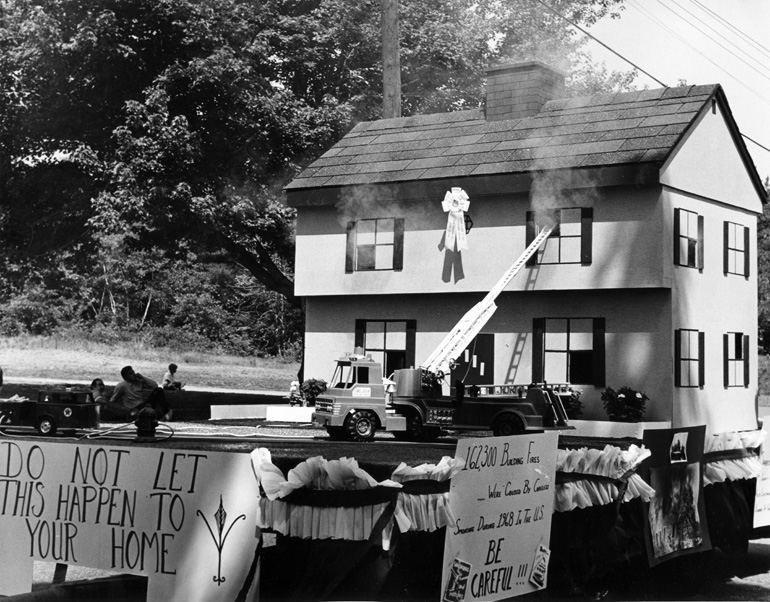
x=474, y=320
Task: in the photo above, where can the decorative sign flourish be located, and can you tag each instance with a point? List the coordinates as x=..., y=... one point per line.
x=127, y=509
x=503, y=502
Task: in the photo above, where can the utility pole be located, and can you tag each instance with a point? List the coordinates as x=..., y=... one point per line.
x=391, y=61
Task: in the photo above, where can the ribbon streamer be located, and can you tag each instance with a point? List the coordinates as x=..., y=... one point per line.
x=455, y=203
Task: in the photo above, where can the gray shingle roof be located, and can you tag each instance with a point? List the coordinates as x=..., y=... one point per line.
x=589, y=131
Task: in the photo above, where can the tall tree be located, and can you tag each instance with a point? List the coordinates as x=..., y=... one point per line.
x=174, y=124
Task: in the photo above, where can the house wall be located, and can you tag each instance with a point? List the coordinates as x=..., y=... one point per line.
x=715, y=303
x=635, y=320
x=626, y=250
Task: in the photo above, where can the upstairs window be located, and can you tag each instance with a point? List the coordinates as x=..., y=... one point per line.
x=569, y=350
x=688, y=239
x=570, y=240
x=736, y=359
x=375, y=244
x=736, y=250
x=689, y=358
x=390, y=342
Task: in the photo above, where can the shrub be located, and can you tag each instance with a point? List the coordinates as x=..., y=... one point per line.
x=572, y=405
x=311, y=389
x=625, y=404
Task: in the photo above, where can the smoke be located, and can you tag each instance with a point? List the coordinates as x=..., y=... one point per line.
x=553, y=190
x=365, y=202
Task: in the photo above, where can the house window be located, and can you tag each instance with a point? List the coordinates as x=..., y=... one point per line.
x=689, y=358
x=375, y=244
x=736, y=255
x=688, y=239
x=390, y=342
x=736, y=358
x=569, y=350
x=570, y=240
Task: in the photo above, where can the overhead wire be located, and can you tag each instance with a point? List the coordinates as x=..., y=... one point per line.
x=748, y=38
x=664, y=26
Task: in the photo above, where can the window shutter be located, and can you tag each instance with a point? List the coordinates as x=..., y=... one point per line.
x=700, y=242
x=746, y=253
x=358, y=340
x=746, y=360
x=586, y=234
x=677, y=357
x=701, y=359
x=538, y=334
x=398, y=243
x=726, y=252
x=530, y=236
x=599, y=369
x=676, y=236
x=726, y=352
x=411, y=337
x=350, y=251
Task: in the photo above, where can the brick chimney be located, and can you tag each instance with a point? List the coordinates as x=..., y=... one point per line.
x=520, y=90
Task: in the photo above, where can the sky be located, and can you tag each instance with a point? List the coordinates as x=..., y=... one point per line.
x=703, y=42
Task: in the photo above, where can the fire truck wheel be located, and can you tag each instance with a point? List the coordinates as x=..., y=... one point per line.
x=417, y=431
x=336, y=433
x=361, y=425
x=46, y=425
x=507, y=425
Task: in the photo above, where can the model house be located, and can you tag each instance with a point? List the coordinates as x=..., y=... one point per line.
x=649, y=278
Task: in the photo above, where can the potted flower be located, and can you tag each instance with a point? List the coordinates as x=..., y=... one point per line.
x=625, y=404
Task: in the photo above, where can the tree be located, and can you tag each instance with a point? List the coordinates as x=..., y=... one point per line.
x=763, y=277
x=174, y=125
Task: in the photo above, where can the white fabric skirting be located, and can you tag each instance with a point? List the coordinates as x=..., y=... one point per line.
x=732, y=470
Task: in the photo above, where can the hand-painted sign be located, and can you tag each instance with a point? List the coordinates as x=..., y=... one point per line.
x=502, y=501
x=185, y=518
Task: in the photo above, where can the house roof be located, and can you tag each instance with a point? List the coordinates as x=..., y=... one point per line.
x=591, y=131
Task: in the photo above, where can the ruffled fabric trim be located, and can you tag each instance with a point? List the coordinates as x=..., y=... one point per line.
x=722, y=470
x=412, y=512
x=595, y=477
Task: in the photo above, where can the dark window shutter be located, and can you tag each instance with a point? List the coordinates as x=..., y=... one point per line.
x=358, y=340
x=726, y=253
x=350, y=251
x=746, y=253
x=411, y=337
x=530, y=236
x=676, y=236
x=398, y=243
x=599, y=369
x=677, y=357
x=586, y=234
x=726, y=360
x=702, y=359
x=538, y=334
x=700, y=242
x=746, y=360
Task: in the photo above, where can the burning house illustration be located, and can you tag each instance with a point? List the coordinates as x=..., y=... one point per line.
x=648, y=278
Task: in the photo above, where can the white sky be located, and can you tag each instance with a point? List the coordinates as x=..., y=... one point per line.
x=675, y=40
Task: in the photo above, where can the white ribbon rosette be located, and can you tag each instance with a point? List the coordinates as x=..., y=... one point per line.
x=456, y=203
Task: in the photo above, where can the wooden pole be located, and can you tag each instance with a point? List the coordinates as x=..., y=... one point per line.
x=391, y=62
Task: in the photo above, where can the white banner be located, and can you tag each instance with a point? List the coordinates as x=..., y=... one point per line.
x=184, y=518
x=762, y=499
x=503, y=501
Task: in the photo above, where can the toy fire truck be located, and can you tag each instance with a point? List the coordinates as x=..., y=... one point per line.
x=412, y=406
x=55, y=410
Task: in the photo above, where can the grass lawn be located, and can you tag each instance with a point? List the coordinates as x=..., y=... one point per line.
x=71, y=361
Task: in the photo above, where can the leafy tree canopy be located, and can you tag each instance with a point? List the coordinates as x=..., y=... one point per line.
x=172, y=125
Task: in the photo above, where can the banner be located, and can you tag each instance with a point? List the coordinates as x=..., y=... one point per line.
x=184, y=518
x=676, y=515
x=502, y=501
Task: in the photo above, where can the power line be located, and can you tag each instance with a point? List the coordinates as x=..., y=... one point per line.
x=746, y=37
x=571, y=22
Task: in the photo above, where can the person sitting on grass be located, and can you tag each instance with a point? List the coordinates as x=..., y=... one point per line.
x=130, y=393
x=170, y=382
